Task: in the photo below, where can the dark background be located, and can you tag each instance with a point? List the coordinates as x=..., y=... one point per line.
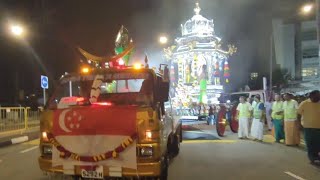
x=56, y=27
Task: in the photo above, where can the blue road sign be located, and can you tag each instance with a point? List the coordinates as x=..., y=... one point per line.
x=44, y=82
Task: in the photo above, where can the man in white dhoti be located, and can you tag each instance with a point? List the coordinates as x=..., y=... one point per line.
x=243, y=114
x=258, y=119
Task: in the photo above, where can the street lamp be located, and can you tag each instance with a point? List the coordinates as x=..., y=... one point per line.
x=16, y=30
x=163, y=40
x=307, y=8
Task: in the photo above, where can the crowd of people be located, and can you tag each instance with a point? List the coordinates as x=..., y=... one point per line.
x=287, y=117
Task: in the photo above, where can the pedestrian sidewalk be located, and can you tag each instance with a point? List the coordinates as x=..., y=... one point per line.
x=19, y=136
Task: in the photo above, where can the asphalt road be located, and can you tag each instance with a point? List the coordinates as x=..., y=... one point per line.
x=226, y=158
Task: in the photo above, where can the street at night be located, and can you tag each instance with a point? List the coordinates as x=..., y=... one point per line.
x=160, y=90
x=225, y=158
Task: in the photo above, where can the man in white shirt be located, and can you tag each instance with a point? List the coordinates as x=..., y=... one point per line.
x=258, y=120
x=243, y=114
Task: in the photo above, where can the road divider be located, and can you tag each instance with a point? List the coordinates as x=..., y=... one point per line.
x=29, y=136
x=19, y=139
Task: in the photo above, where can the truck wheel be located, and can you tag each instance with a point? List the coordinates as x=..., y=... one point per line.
x=180, y=131
x=175, y=145
x=76, y=178
x=165, y=168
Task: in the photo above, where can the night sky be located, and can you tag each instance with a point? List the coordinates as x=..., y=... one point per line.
x=55, y=28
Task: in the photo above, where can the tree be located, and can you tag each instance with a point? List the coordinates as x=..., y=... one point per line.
x=256, y=83
x=280, y=77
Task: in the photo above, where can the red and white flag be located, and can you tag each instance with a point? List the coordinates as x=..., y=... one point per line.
x=94, y=130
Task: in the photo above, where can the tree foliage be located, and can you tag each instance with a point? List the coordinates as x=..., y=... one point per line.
x=280, y=77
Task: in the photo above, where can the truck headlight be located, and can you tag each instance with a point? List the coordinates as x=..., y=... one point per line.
x=146, y=151
x=44, y=136
x=151, y=135
x=148, y=134
x=47, y=150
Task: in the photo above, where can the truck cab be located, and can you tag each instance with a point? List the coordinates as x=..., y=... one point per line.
x=109, y=122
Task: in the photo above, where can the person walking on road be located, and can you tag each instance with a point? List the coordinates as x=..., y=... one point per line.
x=258, y=120
x=268, y=106
x=310, y=112
x=291, y=124
x=277, y=117
x=243, y=114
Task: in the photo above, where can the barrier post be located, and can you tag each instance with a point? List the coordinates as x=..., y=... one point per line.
x=25, y=118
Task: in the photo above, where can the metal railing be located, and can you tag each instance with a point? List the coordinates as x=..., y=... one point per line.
x=18, y=118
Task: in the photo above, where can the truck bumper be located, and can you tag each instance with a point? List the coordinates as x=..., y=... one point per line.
x=143, y=169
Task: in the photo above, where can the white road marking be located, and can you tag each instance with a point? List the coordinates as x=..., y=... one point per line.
x=29, y=149
x=207, y=141
x=293, y=175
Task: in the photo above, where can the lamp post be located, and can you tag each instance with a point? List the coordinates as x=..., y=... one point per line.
x=160, y=43
x=163, y=40
x=17, y=30
x=307, y=8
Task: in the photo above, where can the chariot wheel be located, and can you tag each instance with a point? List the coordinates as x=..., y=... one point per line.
x=234, y=125
x=221, y=121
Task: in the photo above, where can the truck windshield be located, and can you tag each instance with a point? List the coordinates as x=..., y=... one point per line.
x=117, y=89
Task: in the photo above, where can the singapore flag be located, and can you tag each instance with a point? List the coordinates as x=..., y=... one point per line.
x=94, y=130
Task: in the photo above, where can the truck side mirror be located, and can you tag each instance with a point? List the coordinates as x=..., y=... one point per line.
x=164, y=91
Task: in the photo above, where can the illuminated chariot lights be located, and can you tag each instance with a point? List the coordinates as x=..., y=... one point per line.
x=201, y=62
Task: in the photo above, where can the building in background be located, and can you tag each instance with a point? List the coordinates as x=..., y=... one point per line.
x=284, y=45
x=296, y=49
x=310, y=51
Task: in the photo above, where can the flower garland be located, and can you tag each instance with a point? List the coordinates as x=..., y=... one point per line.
x=64, y=153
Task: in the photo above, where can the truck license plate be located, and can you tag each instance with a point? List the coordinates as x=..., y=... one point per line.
x=96, y=174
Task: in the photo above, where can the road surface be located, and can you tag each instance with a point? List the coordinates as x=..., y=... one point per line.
x=206, y=157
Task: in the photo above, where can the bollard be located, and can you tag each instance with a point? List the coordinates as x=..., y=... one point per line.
x=25, y=118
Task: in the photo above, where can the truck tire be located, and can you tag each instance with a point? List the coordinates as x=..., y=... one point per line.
x=176, y=145
x=173, y=145
x=76, y=178
x=165, y=168
x=180, y=131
